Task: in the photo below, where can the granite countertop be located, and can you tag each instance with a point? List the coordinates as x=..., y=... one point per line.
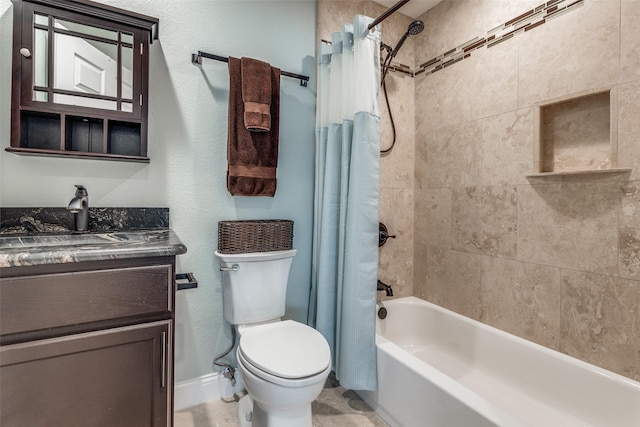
x=16, y=251
x=22, y=244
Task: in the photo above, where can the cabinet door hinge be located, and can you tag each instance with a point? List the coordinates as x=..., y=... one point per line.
x=141, y=49
x=140, y=99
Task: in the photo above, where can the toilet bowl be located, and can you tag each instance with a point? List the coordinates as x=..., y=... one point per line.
x=284, y=366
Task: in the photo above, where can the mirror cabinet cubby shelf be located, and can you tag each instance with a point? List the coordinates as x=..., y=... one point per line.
x=80, y=80
x=577, y=135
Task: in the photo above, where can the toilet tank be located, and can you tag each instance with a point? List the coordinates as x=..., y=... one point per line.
x=254, y=285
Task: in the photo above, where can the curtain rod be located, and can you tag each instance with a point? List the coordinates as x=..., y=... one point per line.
x=388, y=13
x=196, y=58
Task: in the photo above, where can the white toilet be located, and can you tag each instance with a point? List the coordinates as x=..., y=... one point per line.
x=284, y=364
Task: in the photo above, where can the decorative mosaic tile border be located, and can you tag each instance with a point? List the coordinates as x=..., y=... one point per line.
x=525, y=22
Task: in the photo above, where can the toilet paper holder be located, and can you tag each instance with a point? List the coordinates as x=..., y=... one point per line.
x=185, y=281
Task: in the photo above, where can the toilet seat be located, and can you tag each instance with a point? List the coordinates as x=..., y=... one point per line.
x=279, y=381
x=285, y=351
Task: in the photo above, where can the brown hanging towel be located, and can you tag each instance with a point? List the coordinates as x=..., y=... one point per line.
x=252, y=157
x=256, y=94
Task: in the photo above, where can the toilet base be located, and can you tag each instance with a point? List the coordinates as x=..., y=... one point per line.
x=245, y=411
x=250, y=415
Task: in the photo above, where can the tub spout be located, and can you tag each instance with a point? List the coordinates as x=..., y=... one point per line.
x=386, y=288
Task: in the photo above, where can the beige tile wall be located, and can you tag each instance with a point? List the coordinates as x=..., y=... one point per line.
x=554, y=260
x=396, y=168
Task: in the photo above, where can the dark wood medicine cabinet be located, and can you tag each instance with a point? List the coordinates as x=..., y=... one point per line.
x=80, y=80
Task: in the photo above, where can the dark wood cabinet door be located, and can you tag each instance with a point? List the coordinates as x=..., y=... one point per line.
x=115, y=377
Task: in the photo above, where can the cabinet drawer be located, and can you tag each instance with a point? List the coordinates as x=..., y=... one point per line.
x=47, y=301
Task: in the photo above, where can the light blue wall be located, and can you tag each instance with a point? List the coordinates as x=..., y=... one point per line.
x=187, y=146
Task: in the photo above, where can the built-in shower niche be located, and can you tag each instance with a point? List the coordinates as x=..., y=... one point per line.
x=577, y=134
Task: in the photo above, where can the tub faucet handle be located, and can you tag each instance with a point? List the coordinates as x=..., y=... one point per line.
x=384, y=234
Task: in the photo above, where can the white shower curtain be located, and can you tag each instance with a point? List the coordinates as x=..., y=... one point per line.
x=345, y=252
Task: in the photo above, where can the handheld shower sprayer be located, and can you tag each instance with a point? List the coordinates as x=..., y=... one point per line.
x=414, y=28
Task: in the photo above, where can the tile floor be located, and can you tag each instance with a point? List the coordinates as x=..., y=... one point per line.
x=335, y=407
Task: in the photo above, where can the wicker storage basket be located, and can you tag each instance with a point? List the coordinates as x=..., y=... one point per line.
x=240, y=237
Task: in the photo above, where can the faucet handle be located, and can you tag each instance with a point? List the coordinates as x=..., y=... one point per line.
x=384, y=234
x=81, y=191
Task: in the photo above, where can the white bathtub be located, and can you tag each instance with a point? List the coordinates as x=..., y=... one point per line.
x=437, y=368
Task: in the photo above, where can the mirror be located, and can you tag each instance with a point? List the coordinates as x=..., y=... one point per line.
x=90, y=66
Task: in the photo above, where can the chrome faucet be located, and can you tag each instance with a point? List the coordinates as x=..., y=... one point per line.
x=79, y=205
x=386, y=288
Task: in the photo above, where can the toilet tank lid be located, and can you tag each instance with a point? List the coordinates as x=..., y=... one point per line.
x=255, y=256
x=286, y=349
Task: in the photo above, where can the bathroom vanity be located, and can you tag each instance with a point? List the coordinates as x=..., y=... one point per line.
x=86, y=328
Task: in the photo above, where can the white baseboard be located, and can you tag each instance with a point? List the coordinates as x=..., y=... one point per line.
x=204, y=389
